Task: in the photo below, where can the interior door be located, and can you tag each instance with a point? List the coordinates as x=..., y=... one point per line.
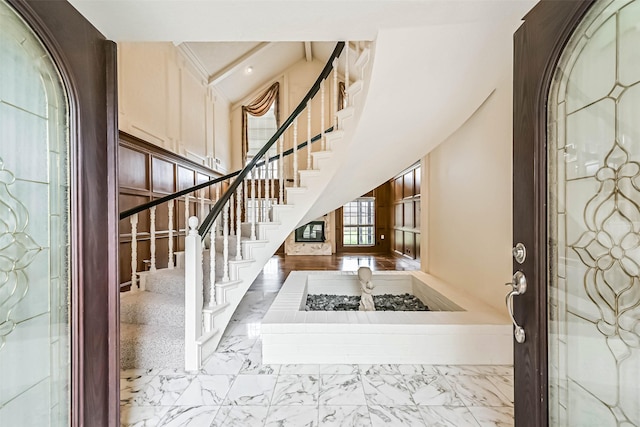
x=58, y=218
x=577, y=214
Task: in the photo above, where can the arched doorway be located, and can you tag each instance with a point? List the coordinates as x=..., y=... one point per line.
x=58, y=293
x=577, y=212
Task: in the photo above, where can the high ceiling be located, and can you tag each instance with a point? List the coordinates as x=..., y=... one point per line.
x=227, y=36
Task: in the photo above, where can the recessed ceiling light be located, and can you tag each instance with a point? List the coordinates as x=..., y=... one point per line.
x=248, y=70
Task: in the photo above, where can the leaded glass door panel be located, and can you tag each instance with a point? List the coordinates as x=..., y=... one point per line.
x=594, y=222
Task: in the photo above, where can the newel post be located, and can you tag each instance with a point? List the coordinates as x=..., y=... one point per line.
x=193, y=298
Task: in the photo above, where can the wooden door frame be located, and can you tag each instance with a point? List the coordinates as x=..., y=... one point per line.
x=86, y=62
x=538, y=45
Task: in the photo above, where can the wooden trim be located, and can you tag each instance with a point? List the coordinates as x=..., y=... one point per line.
x=138, y=144
x=111, y=52
x=538, y=44
x=85, y=61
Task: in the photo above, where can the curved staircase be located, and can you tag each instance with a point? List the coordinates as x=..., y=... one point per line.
x=153, y=316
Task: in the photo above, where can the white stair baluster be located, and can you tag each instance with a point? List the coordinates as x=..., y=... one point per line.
x=281, y=170
x=238, y=223
x=217, y=223
x=170, y=263
x=272, y=193
x=134, y=252
x=225, y=243
x=295, y=152
x=335, y=94
x=309, y=161
x=232, y=206
x=267, y=188
x=346, y=77
x=152, y=249
x=202, y=212
x=186, y=215
x=212, y=264
x=259, y=197
x=245, y=194
x=322, y=108
x=253, y=206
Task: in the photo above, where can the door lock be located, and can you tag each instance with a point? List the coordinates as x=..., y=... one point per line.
x=519, y=253
x=519, y=287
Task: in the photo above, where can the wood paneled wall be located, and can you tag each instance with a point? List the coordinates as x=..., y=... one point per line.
x=147, y=172
x=383, y=205
x=406, y=212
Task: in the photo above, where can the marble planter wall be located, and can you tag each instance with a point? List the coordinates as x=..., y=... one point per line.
x=473, y=334
x=34, y=240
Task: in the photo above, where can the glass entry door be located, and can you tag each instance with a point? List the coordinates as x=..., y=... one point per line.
x=34, y=232
x=593, y=158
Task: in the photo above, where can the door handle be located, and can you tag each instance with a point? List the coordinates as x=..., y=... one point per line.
x=519, y=287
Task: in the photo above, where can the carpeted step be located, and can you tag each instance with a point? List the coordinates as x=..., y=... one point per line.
x=151, y=346
x=166, y=281
x=151, y=308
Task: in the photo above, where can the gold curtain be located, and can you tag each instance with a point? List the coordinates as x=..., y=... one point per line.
x=257, y=108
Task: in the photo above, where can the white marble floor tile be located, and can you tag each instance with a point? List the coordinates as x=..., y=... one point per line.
x=136, y=373
x=131, y=387
x=253, y=365
x=341, y=390
x=237, y=344
x=161, y=391
x=251, y=390
x=417, y=369
x=189, y=416
x=388, y=390
x=400, y=416
x=379, y=369
x=339, y=369
x=240, y=416
x=344, y=416
x=432, y=390
x=504, y=384
x=142, y=416
x=477, y=391
x=250, y=330
x=493, y=417
x=296, y=390
x=206, y=390
x=447, y=416
x=458, y=370
x=224, y=364
x=300, y=369
x=292, y=416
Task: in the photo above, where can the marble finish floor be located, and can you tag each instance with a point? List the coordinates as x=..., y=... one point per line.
x=234, y=387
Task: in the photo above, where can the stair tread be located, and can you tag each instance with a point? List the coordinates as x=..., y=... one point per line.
x=152, y=308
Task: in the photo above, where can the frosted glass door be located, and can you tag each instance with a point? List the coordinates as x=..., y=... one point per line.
x=34, y=232
x=594, y=222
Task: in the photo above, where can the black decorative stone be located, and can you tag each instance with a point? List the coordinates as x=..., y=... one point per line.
x=386, y=302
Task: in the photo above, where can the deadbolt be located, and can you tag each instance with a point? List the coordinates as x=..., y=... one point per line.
x=519, y=253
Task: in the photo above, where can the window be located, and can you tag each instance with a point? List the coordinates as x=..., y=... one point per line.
x=259, y=130
x=358, y=223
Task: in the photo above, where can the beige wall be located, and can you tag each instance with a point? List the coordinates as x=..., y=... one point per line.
x=165, y=99
x=467, y=202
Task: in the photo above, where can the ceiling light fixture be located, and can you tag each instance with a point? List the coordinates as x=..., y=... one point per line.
x=248, y=70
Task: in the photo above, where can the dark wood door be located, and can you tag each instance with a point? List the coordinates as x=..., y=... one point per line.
x=538, y=44
x=86, y=62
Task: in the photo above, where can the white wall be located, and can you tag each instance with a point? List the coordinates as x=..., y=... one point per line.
x=164, y=99
x=467, y=205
